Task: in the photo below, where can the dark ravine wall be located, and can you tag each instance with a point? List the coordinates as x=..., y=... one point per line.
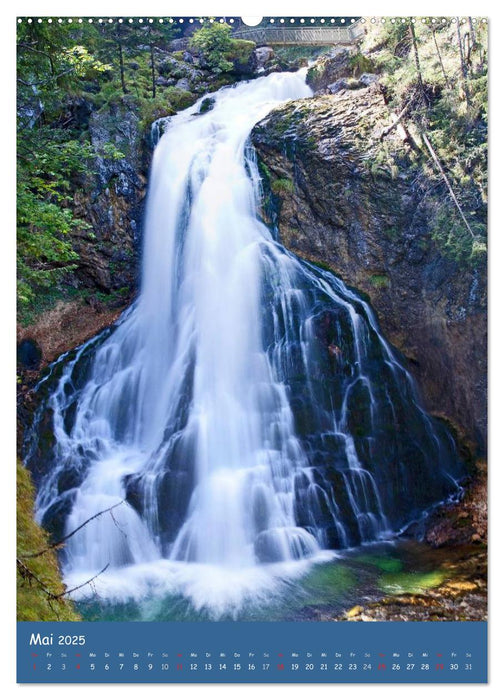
x=111, y=200
x=339, y=194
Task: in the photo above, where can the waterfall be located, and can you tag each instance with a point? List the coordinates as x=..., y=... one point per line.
x=245, y=416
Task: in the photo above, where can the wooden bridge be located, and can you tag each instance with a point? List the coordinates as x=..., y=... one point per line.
x=308, y=36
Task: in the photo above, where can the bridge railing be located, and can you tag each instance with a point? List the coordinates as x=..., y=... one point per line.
x=314, y=36
x=301, y=35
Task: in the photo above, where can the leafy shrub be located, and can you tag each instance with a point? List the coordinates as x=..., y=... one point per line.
x=213, y=43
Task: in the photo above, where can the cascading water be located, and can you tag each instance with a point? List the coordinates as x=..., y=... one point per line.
x=245, y=412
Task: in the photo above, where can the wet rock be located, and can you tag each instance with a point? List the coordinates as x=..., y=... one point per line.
x=55, y=516
x=206, y=105
x=183, y=84
x=372, y=225
x=356, y=610
x=328, y=69
x=70, y=478
x=260, y=57
x=165, y=82
x=463, y=596
x=29, y=354
x=341, y=84
x=368, y=79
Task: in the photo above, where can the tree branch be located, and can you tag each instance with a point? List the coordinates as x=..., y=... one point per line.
x=76, y=588
x=57, y=544
x=401, y=114
x=49, y=80
x=26, y=572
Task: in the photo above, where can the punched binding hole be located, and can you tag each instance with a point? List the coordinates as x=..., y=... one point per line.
x=251, y=21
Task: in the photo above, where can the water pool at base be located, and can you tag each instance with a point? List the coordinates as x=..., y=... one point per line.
x=323, y=592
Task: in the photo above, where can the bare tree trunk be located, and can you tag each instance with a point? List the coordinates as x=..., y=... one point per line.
x=440, y=59
x=417, y=63
x=121, y=68
x=472, y=33
x=153, y=70
x=463, y=64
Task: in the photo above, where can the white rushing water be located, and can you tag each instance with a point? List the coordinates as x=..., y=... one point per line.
x=184, y=416
x=199, y=303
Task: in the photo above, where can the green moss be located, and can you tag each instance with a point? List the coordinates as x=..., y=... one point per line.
x=379, y=281
x=314, y=72
x=33, y=604
x=264, y=170
x=282, y=186
x=361, y=64
x=399, y=583
x=322, y=265
x=240, y=51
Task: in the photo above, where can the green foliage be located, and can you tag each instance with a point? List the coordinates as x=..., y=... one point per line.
x=52, y=66
x=33, y=604
x=47, y=165
x=110, y=152
x=60, y=69
x=151, y=109
x=446, y=99
x=214, y=42
x=282, y=186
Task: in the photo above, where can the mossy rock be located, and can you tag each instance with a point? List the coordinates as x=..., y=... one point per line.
x=282, y=186
x=33, y=603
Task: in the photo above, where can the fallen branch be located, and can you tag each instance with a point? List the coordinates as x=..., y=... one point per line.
x=443, y=175
x=57, y=544
x=397, y=120
x=26, y=572
x=89, y=581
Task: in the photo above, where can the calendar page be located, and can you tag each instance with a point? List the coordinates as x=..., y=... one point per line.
x=251, y=349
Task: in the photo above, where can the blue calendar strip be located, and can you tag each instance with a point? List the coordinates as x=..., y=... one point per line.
x=252, y=652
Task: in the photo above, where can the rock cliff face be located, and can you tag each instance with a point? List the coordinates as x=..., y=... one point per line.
x=111, y=200
x=339, y=193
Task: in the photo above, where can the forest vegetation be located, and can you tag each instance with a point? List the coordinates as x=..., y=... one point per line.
x=434, y=79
